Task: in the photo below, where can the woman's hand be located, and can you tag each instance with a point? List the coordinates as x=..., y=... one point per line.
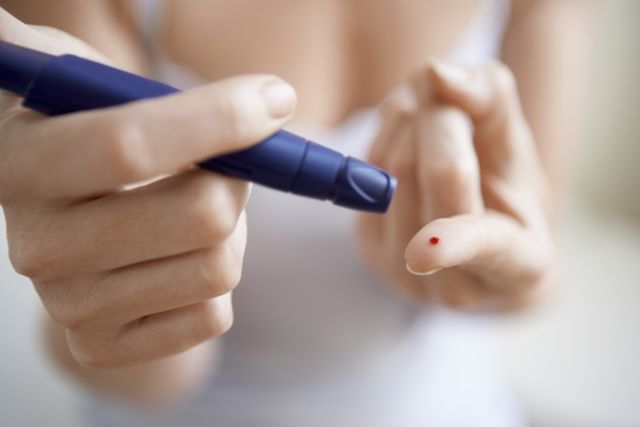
x=132, y=275
x=470, y=220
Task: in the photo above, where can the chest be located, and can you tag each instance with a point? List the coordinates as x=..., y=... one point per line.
x=338, y=54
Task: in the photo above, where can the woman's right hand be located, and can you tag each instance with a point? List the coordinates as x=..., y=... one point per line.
x=133, y=275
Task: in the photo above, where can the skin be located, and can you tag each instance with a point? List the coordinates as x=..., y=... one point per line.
x=137, y=283
x=468, y=168
x=132, y=276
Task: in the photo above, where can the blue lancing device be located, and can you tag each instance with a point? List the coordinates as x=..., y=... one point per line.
x=65, y=84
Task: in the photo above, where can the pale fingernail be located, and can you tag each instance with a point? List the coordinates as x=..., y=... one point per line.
x=279, y=98
x=453, y=74
x=420, y=273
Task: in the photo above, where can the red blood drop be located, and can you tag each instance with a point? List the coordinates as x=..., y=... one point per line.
x=434, y=240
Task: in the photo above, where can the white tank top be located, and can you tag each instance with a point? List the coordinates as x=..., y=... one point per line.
x=318, y=340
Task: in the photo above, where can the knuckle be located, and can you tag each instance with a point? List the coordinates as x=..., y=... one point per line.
x=215, y=318
x=90, y=358
x=29, y=260
x=230, y=277
x=537, y=273
x=24, y=263
x=99, y=348
x=69, y=303
x=217, y=275
x=66, y=314
x=207, y=275
x=211, y=211
x=90, y=355
x=125, y=149
x=503, y=78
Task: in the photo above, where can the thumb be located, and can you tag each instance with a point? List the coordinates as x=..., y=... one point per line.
x=45, y=39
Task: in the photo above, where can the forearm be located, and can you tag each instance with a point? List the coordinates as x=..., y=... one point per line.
x=546, y=46
x=158, y=382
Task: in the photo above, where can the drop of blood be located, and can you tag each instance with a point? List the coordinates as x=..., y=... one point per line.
x=434, y=240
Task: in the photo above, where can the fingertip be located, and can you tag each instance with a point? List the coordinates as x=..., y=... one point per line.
x=270, y=93
x=279, y=97
x=426, y=252
x=447, y=76
x=232, y=113
x=443, y=243
x=459, y=86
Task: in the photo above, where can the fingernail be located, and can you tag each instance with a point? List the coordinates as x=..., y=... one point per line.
x=419, y=273
x=279, y=98
x=453, y=74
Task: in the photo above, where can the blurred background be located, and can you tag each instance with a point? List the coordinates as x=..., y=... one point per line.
x=574, y=361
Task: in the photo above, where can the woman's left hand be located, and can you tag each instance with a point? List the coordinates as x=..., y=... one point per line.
x=470, y=222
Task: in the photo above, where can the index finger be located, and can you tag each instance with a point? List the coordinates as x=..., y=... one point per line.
x=492, y=246
x=93, y=152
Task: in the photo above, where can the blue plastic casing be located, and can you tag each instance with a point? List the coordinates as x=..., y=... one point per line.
x=65, y=84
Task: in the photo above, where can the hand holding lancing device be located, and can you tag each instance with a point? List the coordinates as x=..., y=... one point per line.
x=471, y=213
x=141, y=274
